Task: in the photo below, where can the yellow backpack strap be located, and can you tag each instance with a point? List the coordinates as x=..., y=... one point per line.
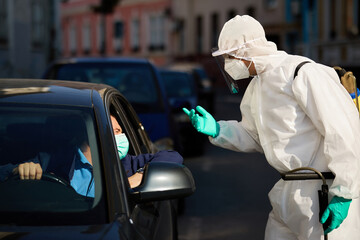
x=348, y=80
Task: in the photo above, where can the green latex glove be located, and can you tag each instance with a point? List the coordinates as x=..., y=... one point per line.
x=205, y=124
x=338, y=210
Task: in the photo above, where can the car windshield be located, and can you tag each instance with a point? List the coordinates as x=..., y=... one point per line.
x=63, y=141
x=136, y=81
x=178, y=84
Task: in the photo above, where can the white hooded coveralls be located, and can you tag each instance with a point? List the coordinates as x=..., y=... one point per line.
x=309, y=121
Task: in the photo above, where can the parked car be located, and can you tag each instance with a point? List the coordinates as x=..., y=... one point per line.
x=137, y=79
x=204, y=85
x=206, y=90
x=39, y=116
x=182, y=92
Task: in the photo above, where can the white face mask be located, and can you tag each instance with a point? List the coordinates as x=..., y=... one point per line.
x=236, y=69
x=122, y=144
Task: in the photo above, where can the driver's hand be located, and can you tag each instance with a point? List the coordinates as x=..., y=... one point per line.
x=135, y=180
x=29, y=170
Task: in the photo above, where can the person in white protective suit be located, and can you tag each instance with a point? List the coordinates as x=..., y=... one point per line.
x=309, y=121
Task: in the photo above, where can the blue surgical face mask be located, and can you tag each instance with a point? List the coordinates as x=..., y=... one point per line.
x=122, y=144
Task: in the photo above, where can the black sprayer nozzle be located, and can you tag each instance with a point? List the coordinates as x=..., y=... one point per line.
x=323, y=201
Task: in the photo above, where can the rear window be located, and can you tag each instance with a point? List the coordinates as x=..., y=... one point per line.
x=178, y=84
x=63, y=142
x=136, y=81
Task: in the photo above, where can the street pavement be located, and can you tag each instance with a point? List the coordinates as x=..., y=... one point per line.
x=231, y=199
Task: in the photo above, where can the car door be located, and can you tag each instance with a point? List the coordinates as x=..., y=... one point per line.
x=154, y=220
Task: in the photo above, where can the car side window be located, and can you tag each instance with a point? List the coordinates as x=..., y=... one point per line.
x=131, y=126
x=120, y=126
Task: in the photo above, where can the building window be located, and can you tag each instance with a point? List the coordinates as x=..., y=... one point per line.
x=294, y=7
x=251, y=11
x=180, y=29
x=214, y=29
x=275, y=38
x=72, y=38
x=350, y=17
x=157, y=33
x=356, y=16
x=3, y=23
x=99, y=35
x=333, y=20
x=37, y=24
x=118, y=35
x=199, y=34
x=86, y=36
x=271, y=4
x=292, y=41
x=135, y=35
x=231, y=14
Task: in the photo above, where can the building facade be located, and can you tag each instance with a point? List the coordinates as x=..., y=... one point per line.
x=334, y=38
x=29, y=37
x=34, y=32
x=136, y=28
x=161, y=30
x=324, y=30
x=199, y=22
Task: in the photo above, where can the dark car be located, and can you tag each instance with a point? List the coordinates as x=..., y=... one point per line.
x=39, y=117
x=182, y=92
x=137, y=80
x=204, y=85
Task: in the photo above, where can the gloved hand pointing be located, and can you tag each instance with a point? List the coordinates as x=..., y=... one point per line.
x=338, y=210
x=205, y=124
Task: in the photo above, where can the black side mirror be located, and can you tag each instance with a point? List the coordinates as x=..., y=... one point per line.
x=162, y=181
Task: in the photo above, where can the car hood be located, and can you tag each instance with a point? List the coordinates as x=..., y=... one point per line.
x=106, y=231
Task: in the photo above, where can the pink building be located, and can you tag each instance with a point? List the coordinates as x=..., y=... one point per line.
x=136, y=28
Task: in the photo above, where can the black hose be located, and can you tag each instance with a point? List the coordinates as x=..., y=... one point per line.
x=323, y=193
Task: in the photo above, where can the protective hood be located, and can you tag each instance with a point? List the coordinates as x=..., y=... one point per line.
x=244, y=37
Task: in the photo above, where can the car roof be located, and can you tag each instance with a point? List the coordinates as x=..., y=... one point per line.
x=101, y=60
x=167, y=70
x=38, y=91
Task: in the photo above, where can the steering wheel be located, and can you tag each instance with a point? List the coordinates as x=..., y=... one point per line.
x=51, y=177
x=47, y=176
